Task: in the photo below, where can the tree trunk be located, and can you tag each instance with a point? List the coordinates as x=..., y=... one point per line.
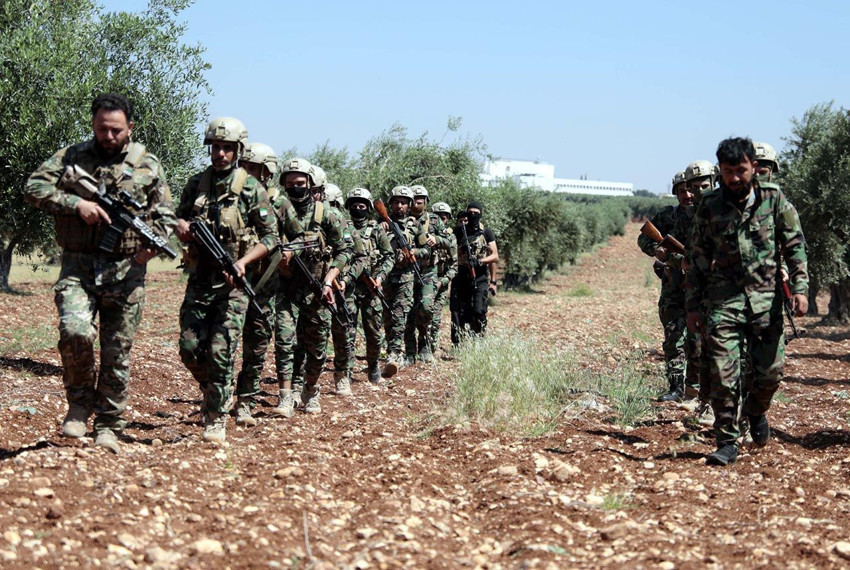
x=6, y=264
x=814, y=289
x=839, y=302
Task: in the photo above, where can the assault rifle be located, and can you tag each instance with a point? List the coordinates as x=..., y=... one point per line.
x=314, y=283
x=117, y=205
x=276, y=254
x=469, y=257
x=207, y=242
x=789, y=312
x=668, y=242
x=341, y=300
x=376, y=291
x=399, y=236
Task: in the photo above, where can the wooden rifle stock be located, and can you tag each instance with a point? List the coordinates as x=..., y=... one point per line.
x=667, y=242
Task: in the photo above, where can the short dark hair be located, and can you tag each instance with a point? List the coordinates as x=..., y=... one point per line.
x=112, y=102
x=735, y=150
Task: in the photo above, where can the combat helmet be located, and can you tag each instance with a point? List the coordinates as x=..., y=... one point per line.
x=419, y=190
x=441, y=208
x=358, y=195
x=319, y=176
x=333, y=194
x=401, y=192
x=301, y=166
x=227, y=129
x=678, y=178
x=259, y=153
x=701, y=169
x=766, y=153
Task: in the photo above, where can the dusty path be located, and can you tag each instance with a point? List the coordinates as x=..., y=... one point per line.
x=367, y=484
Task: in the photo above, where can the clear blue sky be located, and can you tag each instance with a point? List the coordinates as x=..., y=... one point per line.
x=621, y=91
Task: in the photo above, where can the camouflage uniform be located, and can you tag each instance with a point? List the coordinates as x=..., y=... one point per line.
x=446, y=263
x=257, y=332
x=421, y=316
x=91, y=282
x=343, y=336
x=398, y=288
x=301, y=311
x=363, y=302
x=236, y=207
x=671, y=302
x=733, y=279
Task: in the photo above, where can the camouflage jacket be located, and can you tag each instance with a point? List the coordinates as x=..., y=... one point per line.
x=321, y=221
x=379, y=252
x=738, y=254
x=432, y=225
x=665, y=220
x=416, y=237
x=446, y=257
x=359, y=260
x=239, y=214
x=133, y=169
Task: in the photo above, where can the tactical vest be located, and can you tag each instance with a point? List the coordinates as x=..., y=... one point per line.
x=73, y=234
x=317, y=259
x=224, y=215
x=443, y=255
x=477, y=248
x=409, y=227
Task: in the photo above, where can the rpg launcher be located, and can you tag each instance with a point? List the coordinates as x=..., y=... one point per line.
x=117, y=205
x=400, y=239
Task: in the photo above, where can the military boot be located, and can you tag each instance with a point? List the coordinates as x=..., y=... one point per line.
x=243, y=413
x=310, y=399
x=74, y=424
x=677, y=389
x=425, y=354
x=285, y=405
x=760, y=430
x=106, y=438
x=409, y=359
x=724, y=455
x=374, y=373
x=342, y=383
x=215, y=424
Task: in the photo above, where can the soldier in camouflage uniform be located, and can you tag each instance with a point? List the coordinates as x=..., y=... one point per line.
x=671, y=302
x=260, y=161
x=470, y=288
x=304, y=307
x=398, y=288
x=740, y=233
x=235, y=206
x=342, y=333
x=417, y=337
x=446, y=262
x=92, y=282
x=366, y=279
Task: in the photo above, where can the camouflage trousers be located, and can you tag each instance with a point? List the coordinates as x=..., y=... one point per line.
x=305, y=319
x=367, y=308
x=398, y=291
x=439, y=305
x=468, y=304
x=417, y=329
x=730, y=328
x=92, y=286
x=671, y=313
x=256, y=336
x=343, y=336
x=211, y=320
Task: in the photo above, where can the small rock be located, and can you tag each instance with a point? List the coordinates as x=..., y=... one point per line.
x=649, y=465
x=12, y=537
x=804, y=521
x=563, y=471
x=366, y=532
x=508, y=470
x=347, y=435
x=842, y=549
x=251, y=509
x=118, y=550
x=286, y=472
x=128, y=540
x=8, y=556
x=155, y=555
x=56, y=510
x=671, y=476
x=39, y=482
x=43, y=492
x=666, y=565
x=594, y=500
x=156, y=442
x=207, y=546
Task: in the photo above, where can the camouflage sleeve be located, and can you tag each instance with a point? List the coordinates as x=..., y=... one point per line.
x=422, y=251
x=289, y=225
x=701, y=255
x=41, y=190
x=158, y=194
x=790, y=235
x=342, y=249
x=187, y=198
x=359, y=263
x=452, y=271
x=386, y=257
x=260, y=214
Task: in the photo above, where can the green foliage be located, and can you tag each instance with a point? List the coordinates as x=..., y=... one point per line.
x=816, y=178
x=55, y=56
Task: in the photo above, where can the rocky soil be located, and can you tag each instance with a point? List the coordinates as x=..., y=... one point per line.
x=371, y=483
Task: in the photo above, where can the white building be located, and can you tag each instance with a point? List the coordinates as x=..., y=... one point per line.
x=536, y=174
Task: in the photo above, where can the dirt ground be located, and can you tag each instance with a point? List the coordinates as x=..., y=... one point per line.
x=367, y=485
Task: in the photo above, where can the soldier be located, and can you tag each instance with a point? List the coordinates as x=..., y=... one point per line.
x=734, y=296
x=234, y=205
x=398, y=288
x=306, y=296
x=367, y=281
x=470, y=287
x=446, y=263
x=671, y=301
x=94, y=282
x=421, y=316
x=767, y=164
x=260, y=161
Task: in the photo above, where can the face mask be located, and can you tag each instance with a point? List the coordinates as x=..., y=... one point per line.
x=474, y=219
x=359, y=215
x=297, y=193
